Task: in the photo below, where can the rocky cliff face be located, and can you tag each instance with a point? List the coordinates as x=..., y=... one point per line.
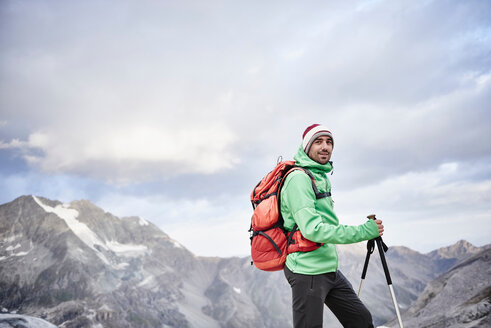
x=77, y=266
x=459, y=298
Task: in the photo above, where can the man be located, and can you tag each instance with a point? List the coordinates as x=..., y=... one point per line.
x=314, y=276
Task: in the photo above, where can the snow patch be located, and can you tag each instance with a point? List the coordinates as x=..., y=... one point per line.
x=12, y=238
x=105, y=307
x=126, y=250
x=70, y=217
x=143, y=222
x=176, y=244
x=91, y=314
x=147, y=281
x=121, y=266
x=81, y=230
x=237, y=290
x=11, y=248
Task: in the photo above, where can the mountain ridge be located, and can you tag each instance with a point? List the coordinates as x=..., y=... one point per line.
x=77, y=264
x=464, y=307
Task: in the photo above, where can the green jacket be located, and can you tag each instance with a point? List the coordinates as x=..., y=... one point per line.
x=316, y=218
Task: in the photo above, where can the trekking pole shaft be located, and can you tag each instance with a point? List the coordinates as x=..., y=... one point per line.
x=389, y=280
x=382, y=258
x=364, y=272
x=399, y=319
x=365, y=266
x=361, y=285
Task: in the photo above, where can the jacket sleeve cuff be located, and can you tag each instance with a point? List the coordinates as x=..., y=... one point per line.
x=371, y=229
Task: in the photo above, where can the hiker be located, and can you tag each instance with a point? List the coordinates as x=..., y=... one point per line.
x=314, y=276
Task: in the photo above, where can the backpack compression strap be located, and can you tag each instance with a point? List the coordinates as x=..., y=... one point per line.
x=290, y=241
x=270, y=240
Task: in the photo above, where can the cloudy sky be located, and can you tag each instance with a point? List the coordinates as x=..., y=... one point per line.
x=173, y=110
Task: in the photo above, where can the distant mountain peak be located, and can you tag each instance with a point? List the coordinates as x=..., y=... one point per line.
x=459, y=250
x=86, y=203
x=463, y=243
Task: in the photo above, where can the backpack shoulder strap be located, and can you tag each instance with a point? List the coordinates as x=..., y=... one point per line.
x=318, y=195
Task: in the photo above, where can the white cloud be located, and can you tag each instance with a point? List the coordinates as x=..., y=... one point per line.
x=423, y=210
x=13, y=144
x=374, y=142
x=123, y=112
x=126, y=153
x=294, y=54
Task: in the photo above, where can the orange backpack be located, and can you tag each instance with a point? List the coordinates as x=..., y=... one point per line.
x=270, y=241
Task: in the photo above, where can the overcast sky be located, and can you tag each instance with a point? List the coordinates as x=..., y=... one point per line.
x=173, y=110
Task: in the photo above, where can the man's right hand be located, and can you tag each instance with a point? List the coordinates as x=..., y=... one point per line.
x=380, y=227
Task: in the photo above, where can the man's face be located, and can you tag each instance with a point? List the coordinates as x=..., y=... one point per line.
x=321, y=149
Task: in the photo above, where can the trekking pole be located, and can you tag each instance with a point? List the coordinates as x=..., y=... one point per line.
x=382, y=248
x=370, y=248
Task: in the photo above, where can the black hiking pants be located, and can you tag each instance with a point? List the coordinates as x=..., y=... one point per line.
x=311, y=292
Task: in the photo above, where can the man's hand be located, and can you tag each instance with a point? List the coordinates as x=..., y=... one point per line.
x=380, y=227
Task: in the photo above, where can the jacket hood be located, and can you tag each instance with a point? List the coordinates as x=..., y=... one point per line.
x=303, y=160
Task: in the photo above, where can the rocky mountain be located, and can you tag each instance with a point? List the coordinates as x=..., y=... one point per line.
x=410, y=271
x=459, y=298
x=447, y=257
x=76, y=265
x=22, y=321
